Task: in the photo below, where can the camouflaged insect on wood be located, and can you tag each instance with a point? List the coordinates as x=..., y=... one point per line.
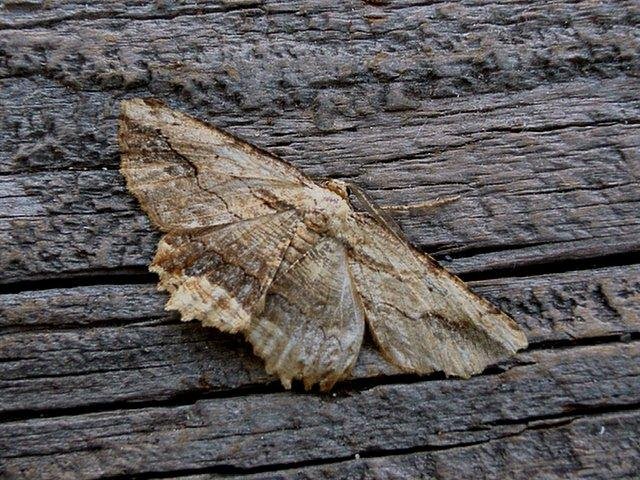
x=252, y=245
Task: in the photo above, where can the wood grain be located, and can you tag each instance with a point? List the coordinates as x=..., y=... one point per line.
x=529, y=111
x=553, y=449
x=209, y=433
x=568, y=192
x=127, y=349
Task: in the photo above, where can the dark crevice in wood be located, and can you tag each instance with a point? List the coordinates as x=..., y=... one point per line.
x=447, y=254
x=553, y=128
x=571, y=411
x=536, y=422
x=139, y=275
x=584, y=342
x=110, y=165
x=227, y=469
x=131, y=275
x=188, y=397
x=149, y=321
x=531, y=423
x=549, y=267
x=342, y=389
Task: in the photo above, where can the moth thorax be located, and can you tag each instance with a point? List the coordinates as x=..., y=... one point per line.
x=317, y=220
x=339, y=187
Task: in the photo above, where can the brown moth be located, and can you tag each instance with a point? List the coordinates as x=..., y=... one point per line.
x=252, y=245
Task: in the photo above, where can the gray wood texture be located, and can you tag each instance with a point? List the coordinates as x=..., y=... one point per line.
x=529, y=111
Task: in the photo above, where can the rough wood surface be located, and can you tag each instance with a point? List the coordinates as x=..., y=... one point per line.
x=547, y=448
x=529, y=111
x=126, y=348
x=276, y=429
x=528, y=196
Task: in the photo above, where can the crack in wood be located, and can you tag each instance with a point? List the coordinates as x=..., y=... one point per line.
x=343, y=389
x=550, y=422
x=97, y=16
x=138, y=274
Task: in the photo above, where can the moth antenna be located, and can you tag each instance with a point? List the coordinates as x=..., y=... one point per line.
x=380, y=215
x=426, y=205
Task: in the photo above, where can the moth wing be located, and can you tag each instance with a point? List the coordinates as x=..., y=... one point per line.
x=312, y=324
x=423, y=318
x=220, y=275
x=188, y=174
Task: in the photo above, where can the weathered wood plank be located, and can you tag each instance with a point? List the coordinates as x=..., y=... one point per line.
x=530, y=111
x=309, y=79
x=276, y=63
x=69, y=130
x=124, y=347
x=571, y=189
x=596, y=448
x=259, y=430
x=459, y=48
x=23, y=15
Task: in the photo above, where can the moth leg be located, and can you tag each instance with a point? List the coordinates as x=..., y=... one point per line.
x=381, y=215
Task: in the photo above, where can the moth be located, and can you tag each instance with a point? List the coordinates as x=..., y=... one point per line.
x=253, y=246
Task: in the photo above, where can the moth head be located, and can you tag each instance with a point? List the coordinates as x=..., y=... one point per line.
x=339, y=187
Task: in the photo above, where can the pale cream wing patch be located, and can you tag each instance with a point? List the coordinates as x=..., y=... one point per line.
x=422, y=317
x=220, y=275
x=312, y=324
x=187, y=174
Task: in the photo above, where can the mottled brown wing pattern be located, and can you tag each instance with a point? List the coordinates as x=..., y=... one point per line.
x=423, y=318
x=253, y=246
x=312, y=325
x=187, y=174
x=220, y=275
